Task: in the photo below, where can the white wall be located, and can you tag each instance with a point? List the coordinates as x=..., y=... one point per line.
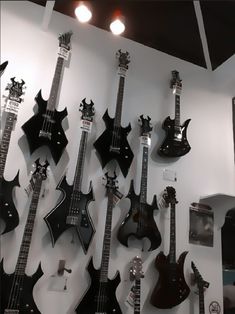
x=91, y=73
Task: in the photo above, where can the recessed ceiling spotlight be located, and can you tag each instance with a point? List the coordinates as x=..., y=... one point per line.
x=83, y=13
x=117, y=26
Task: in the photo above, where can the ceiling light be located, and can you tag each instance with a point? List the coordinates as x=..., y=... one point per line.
x=117, y=26
x=83, y=13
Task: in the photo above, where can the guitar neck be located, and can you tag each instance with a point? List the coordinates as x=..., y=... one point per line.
x=201, y=301
x=177, y=110
x=172, y=235
x=25, y=245
x=107, y=240
x=144, y=176
x=137, y=297
x=80, y=162
x=5, y=141
x=51, y=104
x=118, y=113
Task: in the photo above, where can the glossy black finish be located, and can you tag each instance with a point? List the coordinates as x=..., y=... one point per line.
x=170, y=146
x=171, y=288
x=56, y=219
x=100, y=297
x=125, y=156
x=32, y=128
x=26, y=303
x=8, y=212
x=139, y=221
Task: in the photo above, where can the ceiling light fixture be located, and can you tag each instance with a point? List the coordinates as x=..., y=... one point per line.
x=117, y=26
x=83, y=13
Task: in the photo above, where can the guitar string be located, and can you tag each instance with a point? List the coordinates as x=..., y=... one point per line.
x=18, y=279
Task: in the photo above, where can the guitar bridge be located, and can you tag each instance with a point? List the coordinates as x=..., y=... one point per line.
x=11, y=311
x=45, y=134
x=72, y=220
x=114, y=149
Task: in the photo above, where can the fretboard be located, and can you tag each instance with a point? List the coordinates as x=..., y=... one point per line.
x=80, y=162
x=172, y=235
x=107, y=240
x=5, y=141
x=144, y=176
x=201, y=301
x=177, y=110
x=25, y=244
x=118, y=113
x=137, y=297
x=51, y=104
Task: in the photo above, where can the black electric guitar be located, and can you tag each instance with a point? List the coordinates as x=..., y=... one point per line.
x=17, y=288
x=72, y=211
x=100, y=296
x=136, y=273
x=139, y=221
x=8, y=212
x=201, y=284
x=45, y=128
x=171, y=288
x=113, y=144
x=175, y=143
x=3, y=67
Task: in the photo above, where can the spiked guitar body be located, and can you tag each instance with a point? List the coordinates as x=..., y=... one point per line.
x=8, y=212
x=25, y=304
x=113, y=144
x=139, y=222
x=171, y=288
x=175, y=143
x=57, y=219
x=55, y=140
x=93, y=303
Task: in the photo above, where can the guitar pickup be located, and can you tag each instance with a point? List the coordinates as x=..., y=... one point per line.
x=114, y=149
x=45, y=134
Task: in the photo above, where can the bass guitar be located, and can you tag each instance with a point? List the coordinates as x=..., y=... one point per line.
x=17, y=288
x=175, y=143
x=113, y=144
x=45, y=127
x=100, y=297
x=136, y=273
x=171, y=288
x=8, y=212
x=201, y=284
x=139, y=222
x=72, y=211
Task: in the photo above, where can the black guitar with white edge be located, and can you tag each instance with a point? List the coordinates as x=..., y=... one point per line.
x=136, y=273
x=139, y=221
x=175, y=143
x=100, y=297
x=45, y=127
x=202, y=285
x=8, y=212
x=171, y=288
x=72, y=210
x=17, y=288
x=113, y=144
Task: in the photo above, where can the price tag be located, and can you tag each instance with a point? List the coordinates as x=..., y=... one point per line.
x=12, y=106
x=131, y=297
x=117, y=196
x=145, y=140
x=63, y=53
x=86, y=126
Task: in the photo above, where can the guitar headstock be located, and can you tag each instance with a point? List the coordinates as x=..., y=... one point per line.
x=124, y=59
x=15, y=89
x=169, y=195
x=136, y=272
x=87, y=110
x=176, y=83
x=64, y=40
x=111, y=182
x=41, y=170
x=201, y=284
x=146, y=126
